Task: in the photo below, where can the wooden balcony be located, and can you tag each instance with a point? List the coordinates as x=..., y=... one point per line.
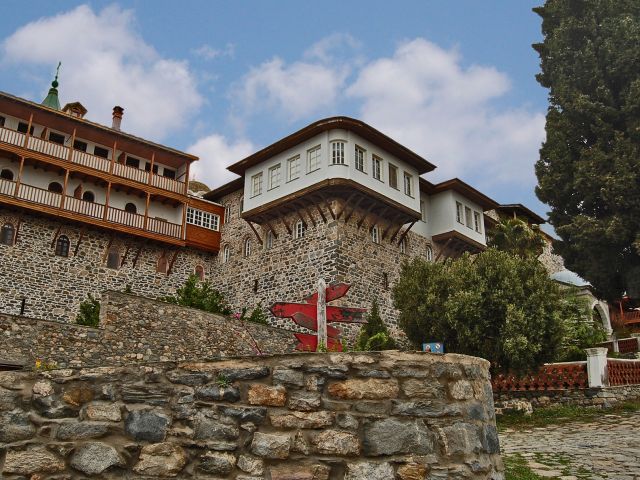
x=39, y=199
x=100, y=164
x=625, y=318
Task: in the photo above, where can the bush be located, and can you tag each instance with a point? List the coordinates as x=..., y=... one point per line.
x=200, y=295
x=89, y=313
x=374, y=335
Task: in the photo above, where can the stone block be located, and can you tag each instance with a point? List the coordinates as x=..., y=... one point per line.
x=392, y=437
x=250, y=464
x=461, y=390
x=288, y=377
x=102, y=412
x=260, y=394
x=146, y=425
x=273, y=446
x=15, y=426
x=95, y=458
x=300, y=472
x=205, y=428
x=218, y=463
x=370, y=389
x=214, y=393
x=335, y=442
x=254, y=415
x=304, y=401
x=412, y=471
x=81, y=430
x=422, y=388
x=302, y=419
x=369, y=471
x=461, y=439
x=161, y=459
x=32, y=460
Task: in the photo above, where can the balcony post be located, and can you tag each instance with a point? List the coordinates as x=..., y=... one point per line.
x=153, y=159
x=146, y=211
x=184, y=221
x=113, y=157
x=19, y=180
x=186, y=180
x=106, y=202
x=28, y=134
x=64, y=188
x=73, y=141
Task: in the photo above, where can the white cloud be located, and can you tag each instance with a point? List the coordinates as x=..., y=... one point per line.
x=106, y=63
x=423, y=97
x=216, y=154
x=299, y=89
x=207, y=52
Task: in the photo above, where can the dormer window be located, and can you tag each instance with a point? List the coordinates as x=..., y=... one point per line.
x=337, y=153
x=293, y=168
x=467, y=216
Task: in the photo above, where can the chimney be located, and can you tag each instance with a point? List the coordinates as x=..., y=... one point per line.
x=117, y=117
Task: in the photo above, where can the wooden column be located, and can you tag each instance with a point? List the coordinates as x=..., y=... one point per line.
x=64, y=188
x=106, y=202
x=186, y=180
x=184, y=221
x=153, y=159
x=19, y=180
x=146, y=211
x=73, y=140
x=28, y=134
x=113, y=157
x=321, y=311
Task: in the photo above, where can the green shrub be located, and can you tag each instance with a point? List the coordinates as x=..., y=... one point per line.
x=258, y=315
x=374, y=335
x=200, y=295
x=89, y=313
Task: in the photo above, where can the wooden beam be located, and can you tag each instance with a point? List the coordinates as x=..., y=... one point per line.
x=183, y=234
x=254, y=231
x=19, y=223
x=394, y=234
x=55, y=236
x=392, y=222
x=357, y=204
x=173, y=260
x=135, y=259
x=124, y=257
x=113, y=157
x=304, y=222
x=106, y=202
x=273, y=230
x=75, y=253
x=286, y=225
x=28, y=134
x=364, y=217
x=442, y=250
x=313, y=221
x=64, y=189
x=328, y=205
x=186, y=180
x=344, y=207
x=146, y=211
x=106, y=251
x=15, y=193
x=404, y=234
x=153, y=159
x=324, y=219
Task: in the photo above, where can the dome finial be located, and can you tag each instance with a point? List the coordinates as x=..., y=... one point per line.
x=51, y=100
x=55, y=83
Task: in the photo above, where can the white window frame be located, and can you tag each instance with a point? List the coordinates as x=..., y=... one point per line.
x=268, y=240
x=459, y=213
x=293, y=168
x=375, y=235
x=300, y=230
x=408, y=184
x=376, y=167
x=360, y=159
x=246, y=249
x=203, y=219
x=468, y=217
x=314, y=159
x=477, y=223
x=423, y=210
x=226, y=253
x=429, y=253
x=394, y=169
x=256, y=185
x=227, y=213
x=337, y=152
x=275, y=176
x=403, y=246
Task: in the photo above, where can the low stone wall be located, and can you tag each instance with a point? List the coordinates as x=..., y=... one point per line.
x=136, y=329
x=365, y=416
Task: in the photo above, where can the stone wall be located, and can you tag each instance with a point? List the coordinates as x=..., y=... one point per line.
x=336, y=250
x=366, y=416
x=135, y=329
x=54, y=286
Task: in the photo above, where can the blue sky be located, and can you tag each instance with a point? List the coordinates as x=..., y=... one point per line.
x=453, y=80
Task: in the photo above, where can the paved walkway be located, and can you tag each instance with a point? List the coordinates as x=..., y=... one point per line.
x=607, y=448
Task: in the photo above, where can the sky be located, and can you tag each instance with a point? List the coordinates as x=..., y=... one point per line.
x=453, y=80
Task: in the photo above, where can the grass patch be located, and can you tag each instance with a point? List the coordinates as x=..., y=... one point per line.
x=516, y=469
x=542, y=417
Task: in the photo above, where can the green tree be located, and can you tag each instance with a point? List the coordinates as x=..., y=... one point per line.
x=89, y=312
x=589, y=166
x=515, y=236
x=374, y=335
x=200, y=295
x=495, y=305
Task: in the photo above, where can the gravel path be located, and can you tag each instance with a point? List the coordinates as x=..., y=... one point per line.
x=607, y=448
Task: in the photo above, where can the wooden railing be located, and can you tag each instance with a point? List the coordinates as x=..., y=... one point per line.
x=11, y=136
x=164, y=227
x=91, y=161
x=39, y=195
x=123, y=217
x=48, y=148
x=553, y=376
x=131, y=173
x=90, y=209
x=167, y=183
x=7, y=187
x=625, y=318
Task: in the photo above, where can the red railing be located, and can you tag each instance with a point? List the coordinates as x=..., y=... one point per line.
x=555, y=376
x=11, y=137
x=164, y=227
x=623, y=372
x=91, y=161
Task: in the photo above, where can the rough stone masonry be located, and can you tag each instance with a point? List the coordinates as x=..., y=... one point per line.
x=364, y=416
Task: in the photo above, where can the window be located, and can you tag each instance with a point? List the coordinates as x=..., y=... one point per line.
x=376, y=167
x=227, y=213
x=274, y=176
x=300, y=229
x=56, y=138
x=163, y=265
x=1, y=121
x=375, y=234
x=79, y=145
x=22, y=128
x=203, y=219
x=459, y=213
x=88, y=196
x=113, y=258
x=359, y=159
x=6, y=174
x=408, y=184
x=132, y=162
x=313, y=159
x=100, y=152
x=168, y=173
x=268, y=241
x=423, y=210
x=429, y=254
x=337, y=153
x=130, y=208
x=62, y=246
x=403, y=246
x=476, y=222
x=7, y=234
x=393, y=176
x=293, y=168
x=247, y=247
x=467, y=216
x=226, y=253
x=147, y=167
x=241, y=206
x=199, y=272
x=256, y=184
x=55, y=187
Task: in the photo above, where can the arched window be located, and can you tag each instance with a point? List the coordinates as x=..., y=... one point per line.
x=88, y=196
x=429, y=254
x=199, y=272
x=62, y=246
x=7, y=234
x=163, y=265
x=55, y=187
x=130, y=208
x=268, y=240
x=226, y=253
x=300, y=229
x=247, y=247
x=6, y=174
x=113, y=258
x=241, y=204
x=403, y=246
x=227, y=213
x=375, y=234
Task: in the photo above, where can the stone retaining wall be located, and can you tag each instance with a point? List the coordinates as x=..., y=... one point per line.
x=365, y=416
x=136, y=329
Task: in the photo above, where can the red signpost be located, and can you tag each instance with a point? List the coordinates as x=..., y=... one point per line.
x=306, y=315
